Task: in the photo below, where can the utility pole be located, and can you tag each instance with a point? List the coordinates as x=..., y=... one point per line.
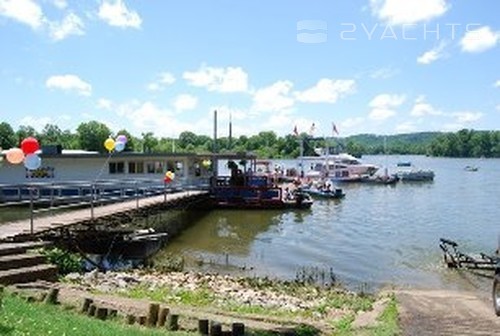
x=230, y=131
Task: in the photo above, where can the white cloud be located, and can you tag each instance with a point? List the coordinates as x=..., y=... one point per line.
x=273, y=98
x=422, y=108
x=453, y=127
x=398, y=12
x=351, y=123
x=432, y=55
x=24, y=11
x=39, y=122
x=148, y=117
x=497, y=84
x=69, y=83
x=115, y=13
x=327, y=91
x=383, y=73
x=279, y=122
x=104, y=104
x=479, y=40
x=467, y=117
x=185, y=102
x=164, y=79
x=70, y=25
x=498, y=107
x=406, y=127
x=61, y=4
x=387, y=100
x=381, y=113
x=383, y=106
x=228, y=79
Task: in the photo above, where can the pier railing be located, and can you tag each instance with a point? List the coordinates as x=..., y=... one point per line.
x=49, y=197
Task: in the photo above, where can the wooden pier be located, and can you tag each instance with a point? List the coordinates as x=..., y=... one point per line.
x=33, y=226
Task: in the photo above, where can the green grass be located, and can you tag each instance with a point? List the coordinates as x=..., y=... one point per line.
x=387, y=323
x=17, y=317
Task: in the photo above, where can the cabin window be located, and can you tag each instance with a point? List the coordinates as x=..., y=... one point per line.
x=136, y=168
x=155, y=167
x=116, y=168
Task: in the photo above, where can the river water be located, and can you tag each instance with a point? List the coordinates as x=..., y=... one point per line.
x=376, y=236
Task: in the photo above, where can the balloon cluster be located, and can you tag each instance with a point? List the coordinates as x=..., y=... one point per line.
x=110, y=144
x=169, y=177
x=25, y=154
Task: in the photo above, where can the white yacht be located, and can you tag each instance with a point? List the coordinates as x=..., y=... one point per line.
x=338, y=167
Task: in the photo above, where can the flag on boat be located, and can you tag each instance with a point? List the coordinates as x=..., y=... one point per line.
x=334, y=129
x=312, y=129
x=295, y=131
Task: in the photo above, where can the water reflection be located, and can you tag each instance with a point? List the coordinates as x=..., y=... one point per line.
x=377, y=235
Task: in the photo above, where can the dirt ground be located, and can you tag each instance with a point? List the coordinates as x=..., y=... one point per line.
x=422, y=312
x=444, y=312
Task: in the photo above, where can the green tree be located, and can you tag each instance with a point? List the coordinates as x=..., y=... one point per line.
x=187, y=138
x=25, y=131
x=7, y=136
x=51, y=135
x=149, y=142
x=91, y=136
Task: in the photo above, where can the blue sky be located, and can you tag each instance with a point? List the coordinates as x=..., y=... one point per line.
x=369, y=66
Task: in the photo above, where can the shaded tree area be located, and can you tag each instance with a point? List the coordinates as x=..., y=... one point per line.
x=266, y=144
x=467, y=143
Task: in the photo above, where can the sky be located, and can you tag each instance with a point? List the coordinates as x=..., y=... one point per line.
x=365, y=66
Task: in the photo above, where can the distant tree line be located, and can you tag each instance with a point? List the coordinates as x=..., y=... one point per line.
x=91, y=136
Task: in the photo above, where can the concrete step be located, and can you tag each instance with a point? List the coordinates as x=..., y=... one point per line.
x=28, y=274
x=19, y=248
x=20, y=260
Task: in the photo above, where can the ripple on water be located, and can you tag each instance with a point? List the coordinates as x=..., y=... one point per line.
x=377, y=235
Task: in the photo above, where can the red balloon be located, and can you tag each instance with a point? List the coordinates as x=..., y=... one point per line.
x=30, y=145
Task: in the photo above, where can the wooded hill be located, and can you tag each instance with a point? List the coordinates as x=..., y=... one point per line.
x=266, y=144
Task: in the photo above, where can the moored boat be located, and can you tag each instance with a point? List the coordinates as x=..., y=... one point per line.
x=242, y=191
x=408, y=172
x=336, y=193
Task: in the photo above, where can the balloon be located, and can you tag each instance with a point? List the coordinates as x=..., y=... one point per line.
x=32, y=161
x=169, y=177
x=15, y=155
x=30, y=145
x=109, y=144
x=119, y=146
x=121, y=138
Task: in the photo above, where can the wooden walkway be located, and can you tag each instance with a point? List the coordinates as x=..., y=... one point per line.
x=40, y=224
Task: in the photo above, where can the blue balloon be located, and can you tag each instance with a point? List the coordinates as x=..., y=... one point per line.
x=119, y=146
x=32, y=161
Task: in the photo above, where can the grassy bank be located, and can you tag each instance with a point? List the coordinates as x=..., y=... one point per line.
x=328, y=310
x=18, y=317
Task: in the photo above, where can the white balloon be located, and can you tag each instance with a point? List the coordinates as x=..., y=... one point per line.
x=32, y=161
x=119, y=146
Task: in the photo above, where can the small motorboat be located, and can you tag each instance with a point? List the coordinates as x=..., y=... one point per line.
x=471, y=168
x=335, y=193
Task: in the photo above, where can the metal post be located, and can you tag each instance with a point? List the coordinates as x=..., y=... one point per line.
x=165, y=192
x=92, y=193
x=302, y=157
x=31, y=211
x=136, y=196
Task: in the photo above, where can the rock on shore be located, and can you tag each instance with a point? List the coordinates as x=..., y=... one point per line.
x=255, y=292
